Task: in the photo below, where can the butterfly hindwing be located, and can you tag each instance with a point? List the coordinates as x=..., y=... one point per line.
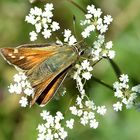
x=50, y=87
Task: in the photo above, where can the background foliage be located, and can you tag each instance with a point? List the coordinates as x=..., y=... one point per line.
x=16, y=122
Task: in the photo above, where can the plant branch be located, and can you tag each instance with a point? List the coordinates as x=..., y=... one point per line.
x=77, y=5
x=102, y=83
x=115, y=68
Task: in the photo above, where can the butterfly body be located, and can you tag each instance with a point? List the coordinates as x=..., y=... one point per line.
x=46, y=66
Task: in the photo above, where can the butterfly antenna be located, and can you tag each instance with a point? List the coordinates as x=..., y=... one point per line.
x=74, y=26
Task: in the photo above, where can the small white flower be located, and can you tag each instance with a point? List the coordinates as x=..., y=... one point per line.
x=49, y=137
x=28, y=91
x=68, y=38
x=91, y=9
x=70, y=123
x=117, y=106
x=38, y=27
x=79, y=100
x=17, y=78
x=101, y=39
x=109, y=45
x=56, y=136
x=44, y=114
x=91, y=115
x=47, y=33
x=18, y=89
x=23, y=101
x=118, y=94
x=73, y=110
x=12, y=88
x=84, y=120
x=136, y=88
x=30, y=19
x=33, y=36
x=90, y=104
x=117, y=86
x=36, y=11
x=111, y=54
x=97, y=13
x=63, y=135
x=133, y=96
x=57, y=125
x=108, y=19
x=86, y=75
x=49, y=7
x=101, y=110
x=67, y=34
x=85, y=64
x=41, y=128
x=103, y=28
x=124, y=78
x=23, y=76
x=55, y=26
x=59, y=115
x=94, y=124
x=125, y=101
x=88, y=16
x=85, y=33
x=41, y=136
x=72, y=40
x=79, y=112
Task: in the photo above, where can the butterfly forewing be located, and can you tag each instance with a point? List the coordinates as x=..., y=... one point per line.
x=26, y=58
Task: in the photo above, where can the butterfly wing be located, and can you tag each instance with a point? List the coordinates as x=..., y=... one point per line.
x=47, y=77
x=50, y=89
x=25, y=57
x=46, y=66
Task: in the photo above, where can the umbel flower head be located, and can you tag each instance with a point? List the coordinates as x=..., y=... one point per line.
x=126, y=95
x=42, y=20
x=52, y=128
x=21, y=87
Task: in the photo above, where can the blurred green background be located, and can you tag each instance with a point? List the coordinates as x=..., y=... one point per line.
x=20, y=123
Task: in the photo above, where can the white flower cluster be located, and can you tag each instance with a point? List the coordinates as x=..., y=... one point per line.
x=82, y=74
x=68, y=38
x=21, y=86
x=94, y=21
x=101, y=49
x=42, y=20
x=52, y=128
x=123, y=92
x=85, y=110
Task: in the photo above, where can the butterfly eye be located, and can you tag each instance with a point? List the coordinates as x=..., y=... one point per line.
x=81, y=52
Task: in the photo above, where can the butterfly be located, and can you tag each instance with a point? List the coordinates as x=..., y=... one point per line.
x=45, y=65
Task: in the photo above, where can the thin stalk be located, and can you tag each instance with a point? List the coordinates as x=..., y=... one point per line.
x=102, y=83
x=96, y=62
x=115, y=68
x=74, y=26
x=78, y=6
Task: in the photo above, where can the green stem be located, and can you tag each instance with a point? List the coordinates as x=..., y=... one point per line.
x=78, y=6
x=96, y=62
x=102, y=83
x=115, y=68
